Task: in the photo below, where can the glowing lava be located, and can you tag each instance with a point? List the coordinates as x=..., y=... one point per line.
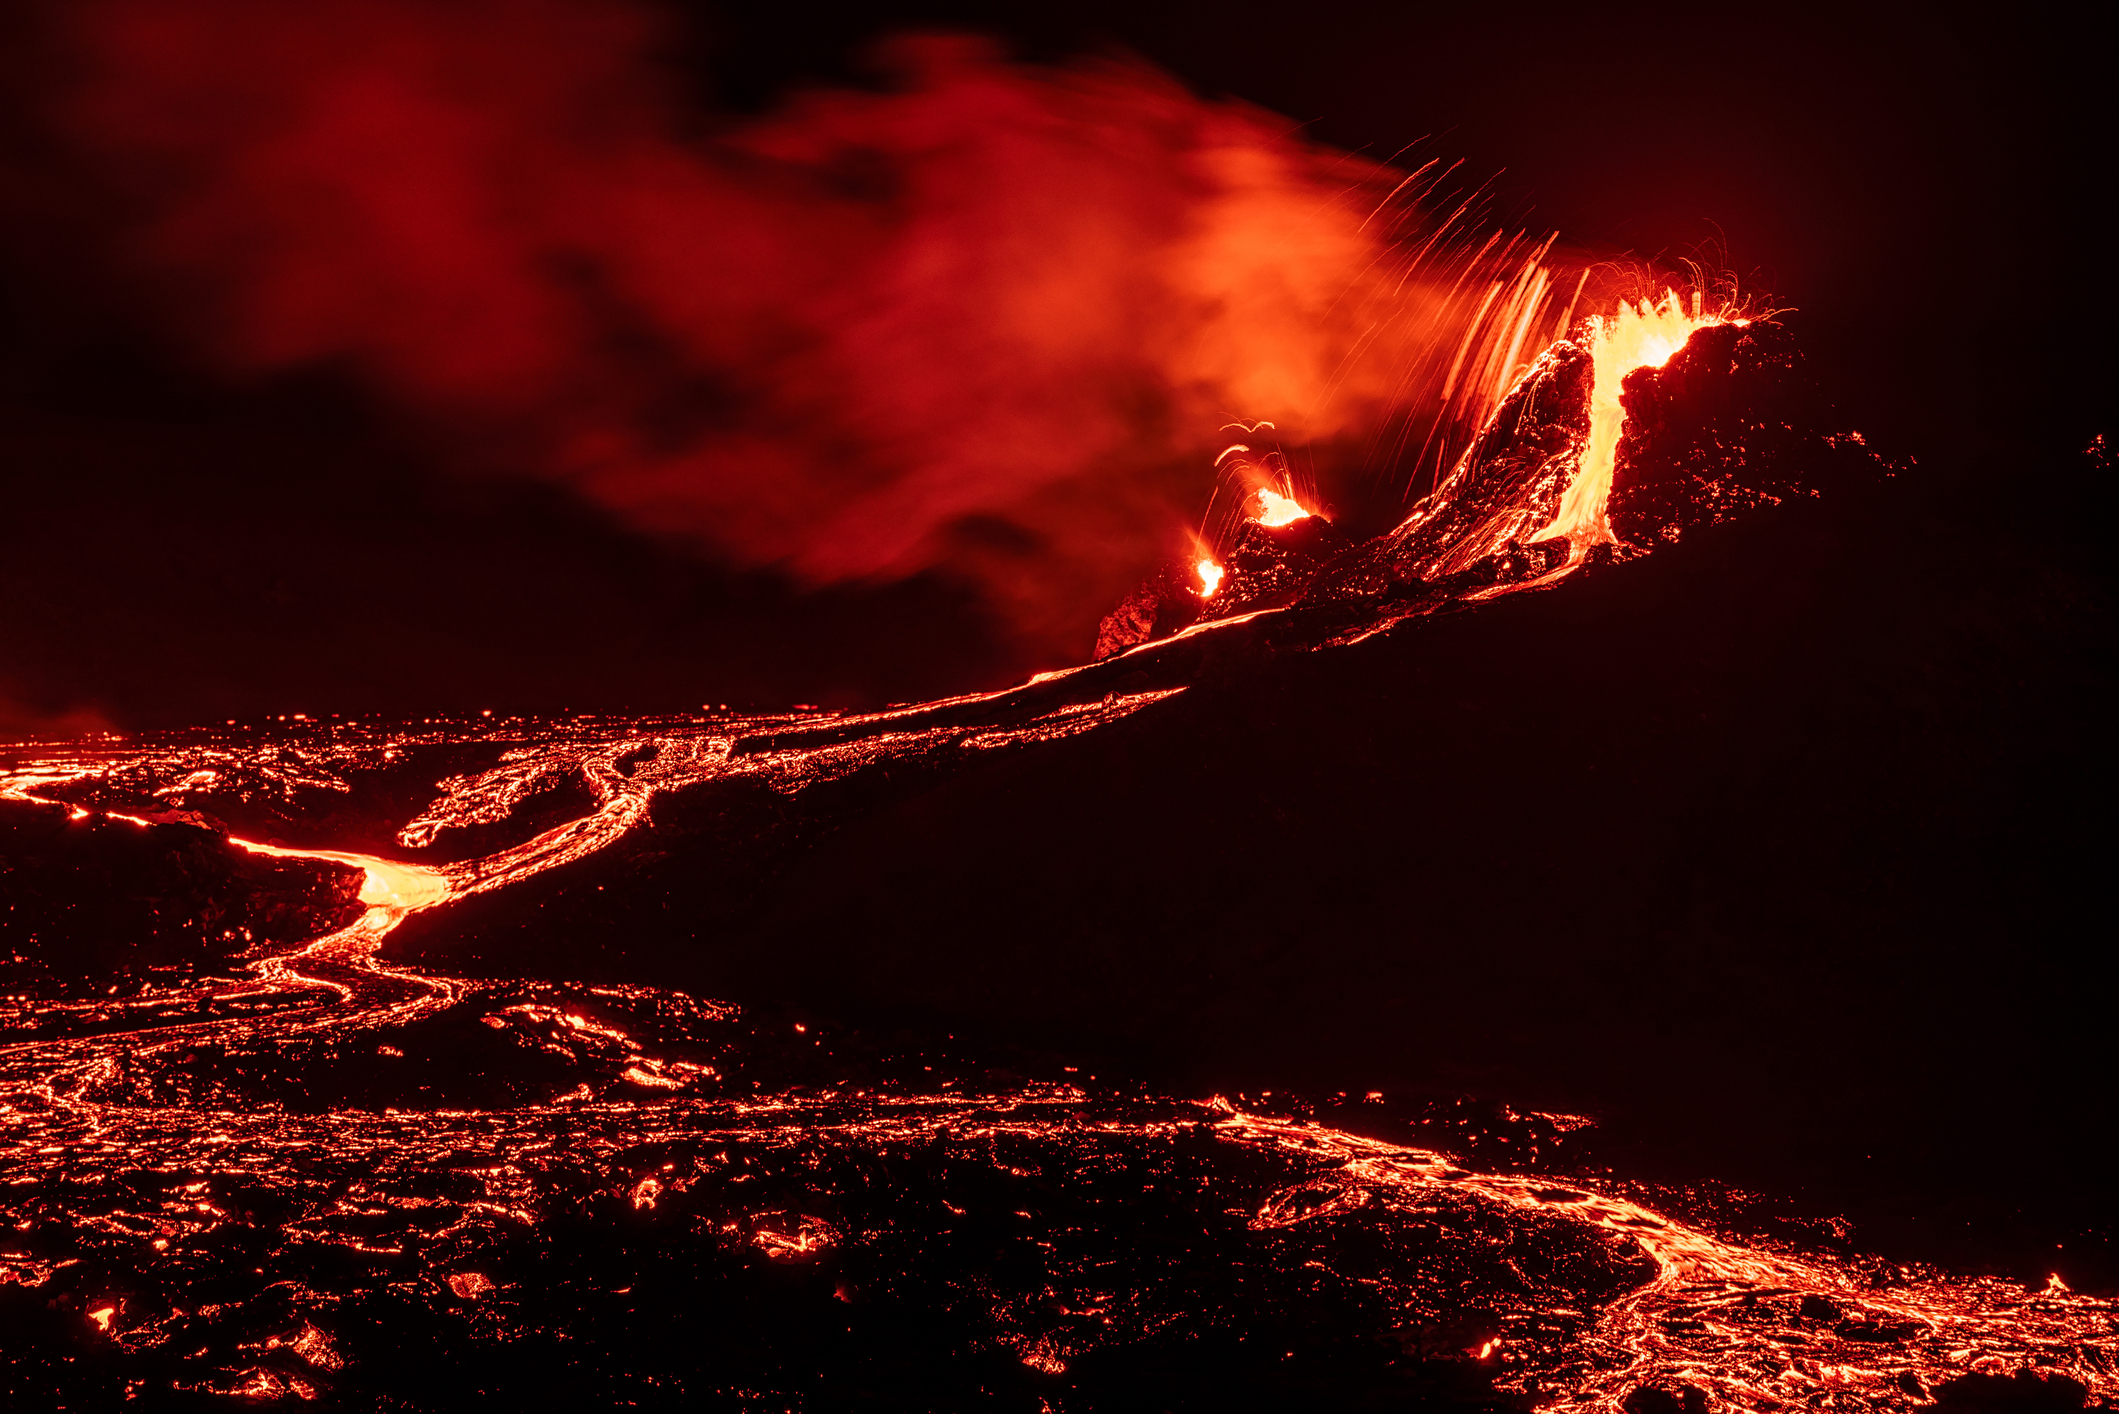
x=1275, y=509
x=384, y=884
x=131, y=1134
x=1640, y=335
x=1209, y=578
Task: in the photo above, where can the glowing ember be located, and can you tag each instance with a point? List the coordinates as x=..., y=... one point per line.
x=270, y=1384
x=1210, y=575
x=1640, y=335
x=470, y=1285
x=789, y=1237
x=1275, y=509
x=312, y=1345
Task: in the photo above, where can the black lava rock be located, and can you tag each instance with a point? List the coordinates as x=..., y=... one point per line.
x=2021, y=1393
x=96, y=896
x=1730, y=424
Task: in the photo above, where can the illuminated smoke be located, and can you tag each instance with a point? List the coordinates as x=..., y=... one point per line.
x=983, y=322
x=26, y=721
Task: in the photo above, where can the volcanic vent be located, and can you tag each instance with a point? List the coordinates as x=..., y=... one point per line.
x=1651, y=423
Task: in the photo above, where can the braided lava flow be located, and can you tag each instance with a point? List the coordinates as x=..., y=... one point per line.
x=131, y=1175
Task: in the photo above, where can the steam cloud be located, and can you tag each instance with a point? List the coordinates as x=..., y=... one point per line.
x=985, y=322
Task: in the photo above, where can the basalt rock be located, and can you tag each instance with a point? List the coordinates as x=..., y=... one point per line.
x=1269, y=565
x=1649, y=1399
x=97, y=896
x=1730, y=424
x=1165, y=603
x=2024, y=1392
x=1504, y=490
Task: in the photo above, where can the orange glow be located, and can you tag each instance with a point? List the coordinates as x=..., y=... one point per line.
x=788, y=1237
x=312, y=1345
x=653, y=1081
x=1275, y=509
x=385, y=883
x=1716, y=1286
x=1701, y=1307
x=1640, y=335
x=1210, y=575
x=264, y=1384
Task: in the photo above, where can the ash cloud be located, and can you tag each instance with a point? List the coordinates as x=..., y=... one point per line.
x=983, y=322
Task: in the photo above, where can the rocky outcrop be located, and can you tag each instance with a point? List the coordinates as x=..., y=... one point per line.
x=1477, y=527
x=1164, y=603
x=1730, y=424
x=96, y=896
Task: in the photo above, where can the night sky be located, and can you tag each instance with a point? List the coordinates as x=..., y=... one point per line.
x=210, y=514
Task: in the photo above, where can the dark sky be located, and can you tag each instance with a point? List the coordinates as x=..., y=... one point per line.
x=187, y=536
x=1879, y=170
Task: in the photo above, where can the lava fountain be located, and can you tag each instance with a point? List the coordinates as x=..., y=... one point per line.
x=1637, y=335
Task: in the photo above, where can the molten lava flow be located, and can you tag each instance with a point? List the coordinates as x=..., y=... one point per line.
x=1640, y=335
x=1275, y=509
x=384, y=883
x=133, y=1129
x=1699, y=1317
x=1209, y=578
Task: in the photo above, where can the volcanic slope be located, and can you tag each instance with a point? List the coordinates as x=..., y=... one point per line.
x=1772, y=850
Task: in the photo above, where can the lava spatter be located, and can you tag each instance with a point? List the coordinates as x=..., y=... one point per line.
x=1524, y=504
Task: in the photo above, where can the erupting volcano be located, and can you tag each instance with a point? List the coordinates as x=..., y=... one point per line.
x=1450, y=943
x=252, y=1158
x=1642, y=335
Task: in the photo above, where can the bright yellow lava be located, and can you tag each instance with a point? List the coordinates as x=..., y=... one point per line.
x=384, y=883
x=1209, y=578
x=1643, y=335
x=1275, y=509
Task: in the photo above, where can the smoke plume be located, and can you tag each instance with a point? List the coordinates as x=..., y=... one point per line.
x=984, y=320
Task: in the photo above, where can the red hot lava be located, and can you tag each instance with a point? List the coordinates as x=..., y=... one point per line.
x=312, y=1224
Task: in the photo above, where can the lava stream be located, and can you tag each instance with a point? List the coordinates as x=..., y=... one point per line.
x=1704, y=1320
x=1713, y=1316
x=1642, y=335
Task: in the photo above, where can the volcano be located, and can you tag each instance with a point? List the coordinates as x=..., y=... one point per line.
x=1548, y=954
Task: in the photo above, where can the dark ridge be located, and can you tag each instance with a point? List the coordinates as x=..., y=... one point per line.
x=98, y=903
